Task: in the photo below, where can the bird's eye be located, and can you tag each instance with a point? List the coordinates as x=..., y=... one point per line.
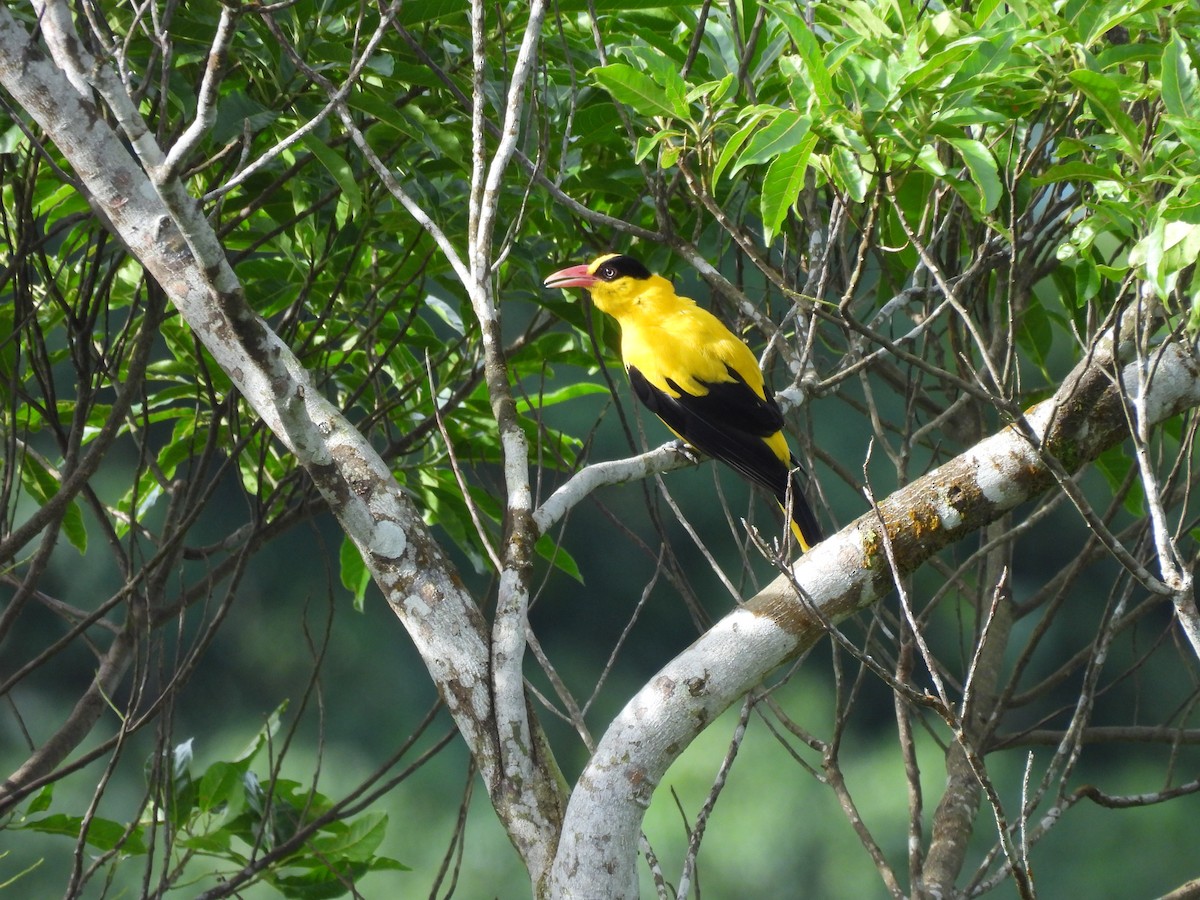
x=608, y=273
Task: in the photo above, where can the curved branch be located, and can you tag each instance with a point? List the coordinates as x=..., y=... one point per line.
x=667, y=458
x=842, y=575
x=165, y=231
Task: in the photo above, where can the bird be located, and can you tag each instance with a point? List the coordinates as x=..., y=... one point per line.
x=698, y=377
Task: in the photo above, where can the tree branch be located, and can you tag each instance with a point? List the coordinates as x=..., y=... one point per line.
x=840, y=576
x=179, y=250
x=667, y=458
x=206, y=101
x=521, y=746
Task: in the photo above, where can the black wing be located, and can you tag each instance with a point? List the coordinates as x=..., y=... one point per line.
x=729, y=423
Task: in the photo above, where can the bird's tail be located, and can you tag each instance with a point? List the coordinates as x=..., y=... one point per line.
x=801, y=516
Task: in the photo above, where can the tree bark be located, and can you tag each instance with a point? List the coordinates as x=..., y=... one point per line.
x=179, y=250
x=593, y=844
x=839, y=577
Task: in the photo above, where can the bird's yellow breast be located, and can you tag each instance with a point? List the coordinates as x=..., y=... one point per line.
x=665, y=336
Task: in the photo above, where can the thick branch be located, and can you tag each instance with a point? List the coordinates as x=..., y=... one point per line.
x=522, y=749
x=839, y=577
x=181, y=253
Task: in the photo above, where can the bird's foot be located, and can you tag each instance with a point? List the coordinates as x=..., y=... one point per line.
x=686, y=450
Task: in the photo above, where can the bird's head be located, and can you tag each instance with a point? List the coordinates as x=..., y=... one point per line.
x=615, y=281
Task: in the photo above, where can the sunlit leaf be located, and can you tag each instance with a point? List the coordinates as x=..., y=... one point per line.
x=11, y=138
x=848, y=174
x=559, y=395
x=784, y=134
x=782, y=184
x=1075, y=171
x=637, y=90
x=984, y=172
x=1180, y=90
x=816, y=74
x=1105, y=97
x=716, y=92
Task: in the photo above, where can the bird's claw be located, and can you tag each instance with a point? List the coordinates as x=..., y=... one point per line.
x=686, y=450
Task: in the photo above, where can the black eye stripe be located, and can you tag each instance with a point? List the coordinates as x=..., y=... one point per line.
x=621, y=267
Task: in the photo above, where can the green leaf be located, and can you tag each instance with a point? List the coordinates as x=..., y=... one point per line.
x=264, y=736
x=103, y=834
x=637, y=90
x=1193, y=322
x=1075, y=171
x=1095, y=19
x=783, y=135
x=1168, y=247
x=41, y=802
x=319, y=882
x=353, y=842
x=11, y=138
x=929, y=160
x=1188, y=129
x=982, y=166
x=816, y=73
x=570, y=392
x=984, y=11
x=943, y=64
x=445, y=312
x=549, y=550
x=782, y=184
x=647, y=144
x=215, y=843
x=341, y=171
x=354, y=574
x=663, y=71
x=1105, y=97
x=237, y=114
x=1179, y=83
x=1087, y=282
x=731, y=148
x=63, y=201
x=715, y=91
x=1181, y=244
x=1036, y=337
x=222, y=785
x=387, y=864
x=41, y=484
x=848, y=175
x=1114, y=464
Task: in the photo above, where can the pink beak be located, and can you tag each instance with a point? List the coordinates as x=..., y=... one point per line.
x=572, y=276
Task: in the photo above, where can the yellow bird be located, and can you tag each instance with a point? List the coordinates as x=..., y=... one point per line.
x=698, y=377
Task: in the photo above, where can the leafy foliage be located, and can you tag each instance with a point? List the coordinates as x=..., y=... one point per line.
x=922, y=217
x=214, y=822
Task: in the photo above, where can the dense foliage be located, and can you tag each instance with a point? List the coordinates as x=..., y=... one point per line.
x=923, y=219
